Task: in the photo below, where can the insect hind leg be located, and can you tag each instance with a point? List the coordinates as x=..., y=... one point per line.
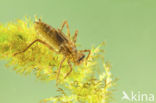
x=69, y=70
x=37, y=40
x=75, y=36
x=59, y=69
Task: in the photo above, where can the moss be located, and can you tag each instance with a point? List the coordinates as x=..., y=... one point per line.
x=84, y=85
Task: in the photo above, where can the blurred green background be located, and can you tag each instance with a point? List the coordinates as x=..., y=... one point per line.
x=127, y=26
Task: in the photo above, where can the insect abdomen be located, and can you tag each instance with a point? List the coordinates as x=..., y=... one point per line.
x=49, y=34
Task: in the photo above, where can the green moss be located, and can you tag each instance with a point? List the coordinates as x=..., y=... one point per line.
x=84, y=85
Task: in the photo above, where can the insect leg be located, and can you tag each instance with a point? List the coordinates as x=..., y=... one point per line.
x=37, y=40
x=89, y=52
x=69, y=70
x=66, y=23
x=58, y=72
x=75, y=36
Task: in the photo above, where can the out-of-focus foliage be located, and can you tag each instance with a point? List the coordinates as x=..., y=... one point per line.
x=86, y=84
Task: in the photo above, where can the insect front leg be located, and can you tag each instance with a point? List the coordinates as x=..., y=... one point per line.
x=59, y=69
x=89, y=52
x=69, y=70
x=67, y=26
x=37, y=40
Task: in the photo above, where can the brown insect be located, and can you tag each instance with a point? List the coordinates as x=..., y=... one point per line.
x=60, y=43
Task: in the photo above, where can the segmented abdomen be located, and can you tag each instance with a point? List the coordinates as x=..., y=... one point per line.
x=50, y=35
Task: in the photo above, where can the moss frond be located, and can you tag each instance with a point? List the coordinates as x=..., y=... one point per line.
x=84, y=85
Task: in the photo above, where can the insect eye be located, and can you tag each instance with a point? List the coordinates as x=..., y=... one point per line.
x=81, y=58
